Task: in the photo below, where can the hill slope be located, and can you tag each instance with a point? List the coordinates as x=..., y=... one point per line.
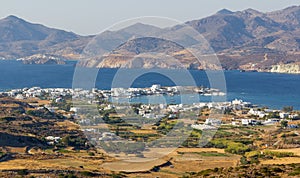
x=20, y=38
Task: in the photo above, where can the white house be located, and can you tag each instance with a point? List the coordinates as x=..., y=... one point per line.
x=74, y=109
x=293, y=116
x=155, y=87
x=270, y=122
x=203, y=127
x=149, y=116
x=52, y=140
x=19, y=97
x=283, y=115
x=213, y=122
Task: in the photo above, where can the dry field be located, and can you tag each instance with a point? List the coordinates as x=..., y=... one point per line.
x=286, y=160
x=296, y=151
x=69, y=125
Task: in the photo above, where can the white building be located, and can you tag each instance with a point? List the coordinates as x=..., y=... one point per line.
x=249, y=122
x=149, y=116
x=271, y=122
x=213, y=122
x=283, y=115
x=155, y=87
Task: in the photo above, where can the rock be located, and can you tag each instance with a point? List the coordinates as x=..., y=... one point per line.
x=42, y=59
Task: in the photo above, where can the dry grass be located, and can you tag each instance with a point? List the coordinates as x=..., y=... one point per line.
x=16, y=149
x=59, y=164
x=287, y=160
x=144, y=131
x=9, y=105
x=117, y=115
x=200, y=150
x=68, y=124
x=137, y=166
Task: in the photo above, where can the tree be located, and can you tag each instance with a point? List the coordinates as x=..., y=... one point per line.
x=288, y=108
x=284, y=123
x=244, y=160
x=66, y=140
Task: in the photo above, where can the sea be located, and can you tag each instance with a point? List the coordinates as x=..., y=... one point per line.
x=263, y=89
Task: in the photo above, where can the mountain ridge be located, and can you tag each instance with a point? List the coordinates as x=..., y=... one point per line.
x=240, y=38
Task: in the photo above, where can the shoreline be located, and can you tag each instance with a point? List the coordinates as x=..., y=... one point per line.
x=68, y=61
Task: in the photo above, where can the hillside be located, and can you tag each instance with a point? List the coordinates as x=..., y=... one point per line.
x=248, y=40
x=20, y=38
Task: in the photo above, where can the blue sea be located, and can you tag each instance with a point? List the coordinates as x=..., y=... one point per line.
x=264, y=89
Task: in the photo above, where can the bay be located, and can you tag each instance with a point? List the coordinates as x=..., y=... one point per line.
x=264, y=89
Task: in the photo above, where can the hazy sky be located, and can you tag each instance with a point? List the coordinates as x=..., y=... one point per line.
x=92, y=16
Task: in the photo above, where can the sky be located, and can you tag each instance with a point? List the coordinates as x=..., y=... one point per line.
x=87, y=17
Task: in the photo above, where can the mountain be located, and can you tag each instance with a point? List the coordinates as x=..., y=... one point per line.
x=290, y=17
x=248, y=40
x=146, y=52
x=20, y=38
x=109, y=40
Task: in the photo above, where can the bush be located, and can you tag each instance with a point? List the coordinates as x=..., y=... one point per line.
x=295, y=172
x=91, y=154
x=206, y=172
x=277, y=169
x=22, y=172
x=70, y=176
x=253, y=154
x=237, y=148
x=87, y=174
x=244, y=160
x=279, y=154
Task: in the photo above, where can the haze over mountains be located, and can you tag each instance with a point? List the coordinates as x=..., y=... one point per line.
x=20, y=38
x=247, y=39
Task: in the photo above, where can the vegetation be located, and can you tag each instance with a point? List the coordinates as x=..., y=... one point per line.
x=278, y=154
x=284, y=124
x=120, y=147
x=230, y=146
x=245, y=145
x=74, y=141
x=288, y=108
x=237, y=148
x=23, y=172
x=212, y=154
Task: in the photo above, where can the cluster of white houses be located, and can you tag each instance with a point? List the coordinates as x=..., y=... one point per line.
x=114, y=92
x=161, y=110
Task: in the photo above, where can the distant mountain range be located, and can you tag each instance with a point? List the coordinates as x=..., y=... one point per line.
x=248, y=39
x=21, y=39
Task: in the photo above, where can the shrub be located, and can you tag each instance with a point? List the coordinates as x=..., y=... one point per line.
x=22, y=172
x=295, y=172
x=279, y=154
x=87, y=174
x=237, y=148
x=244, y=160
x=91, y=154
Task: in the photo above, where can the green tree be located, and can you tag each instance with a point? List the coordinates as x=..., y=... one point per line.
x=284, y=124
x=66, y=140
x=288, y=108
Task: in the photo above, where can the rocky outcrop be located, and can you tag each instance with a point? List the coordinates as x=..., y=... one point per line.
x=43, y=59
x=286, y=68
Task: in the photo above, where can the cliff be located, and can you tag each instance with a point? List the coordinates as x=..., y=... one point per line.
x=286, y=68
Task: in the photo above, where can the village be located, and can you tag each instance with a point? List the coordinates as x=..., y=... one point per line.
x=246, y=112
x=68, y=123
x=241, y=113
